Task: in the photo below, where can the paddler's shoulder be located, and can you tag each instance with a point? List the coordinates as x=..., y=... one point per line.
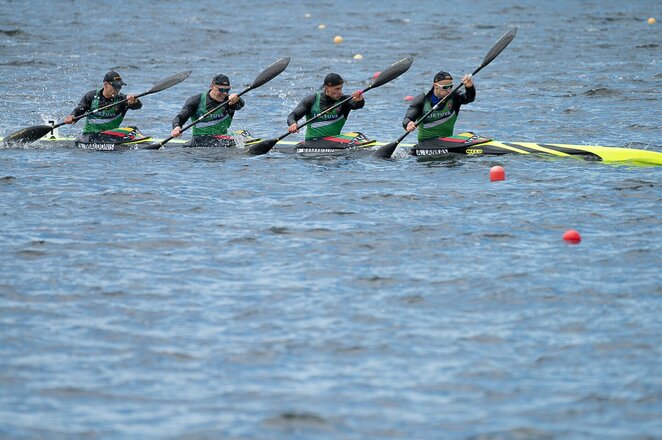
x=420, y=99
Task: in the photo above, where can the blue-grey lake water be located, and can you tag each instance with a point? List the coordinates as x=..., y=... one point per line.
x=185, y=294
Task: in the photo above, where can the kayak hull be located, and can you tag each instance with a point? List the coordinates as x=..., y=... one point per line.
x=463, y=144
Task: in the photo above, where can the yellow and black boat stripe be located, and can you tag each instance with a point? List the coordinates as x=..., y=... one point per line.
x=555, y=150
x=509, y=147
x=590, y=152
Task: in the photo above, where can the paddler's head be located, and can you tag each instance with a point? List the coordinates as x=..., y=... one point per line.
x=442, y=84
x=112, y=84
x=220, y=87
x=333, y=86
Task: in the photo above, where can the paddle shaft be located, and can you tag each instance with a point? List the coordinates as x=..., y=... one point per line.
x=35, y=132
x=428, y=113
x=333, y=107
x=391, y=146
x=114, y=104
x=387, y=150
x=187, y=126
x=270, y=143
x=264, y=77
x=389, y=74
x=443, y=100
x=434, y=107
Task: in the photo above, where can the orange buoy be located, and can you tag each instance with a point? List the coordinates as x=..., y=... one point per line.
x=497, y=173
x=572, y=236
x=409, y=98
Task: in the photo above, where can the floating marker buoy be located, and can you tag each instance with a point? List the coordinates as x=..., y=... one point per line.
x=409, y=98
x=376, y=75
x=337, y=39
x=572, y=236
x=497, y=173
x=651, y=20
x=358, y=56
x=322, y=26
x=307, y=15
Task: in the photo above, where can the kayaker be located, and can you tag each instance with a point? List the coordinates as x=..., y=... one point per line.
x=109, y=118
x=219, y=121
x=441, y=122
x=329, y=124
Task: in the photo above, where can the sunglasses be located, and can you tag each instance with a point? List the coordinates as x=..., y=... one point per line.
x=445, y=87
x=223, y=89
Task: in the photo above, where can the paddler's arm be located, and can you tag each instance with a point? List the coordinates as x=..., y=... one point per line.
x=184, y=114
x=299, y=112
x=357, y=100
x=235, y=103
x=355, y=103
x=414, y=111
x=470, y=91
x=82, y=107
x=133, y=103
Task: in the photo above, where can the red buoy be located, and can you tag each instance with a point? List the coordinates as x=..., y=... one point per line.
x=409, y=98
x=376, y=75
x=572, y=236
x=497, y=173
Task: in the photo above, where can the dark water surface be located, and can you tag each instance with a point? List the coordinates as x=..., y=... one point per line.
x=185, y=294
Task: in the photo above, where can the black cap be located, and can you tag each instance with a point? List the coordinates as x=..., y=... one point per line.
x=114, y=79
x=333, y=79
x=221, y=80
x=440, y=76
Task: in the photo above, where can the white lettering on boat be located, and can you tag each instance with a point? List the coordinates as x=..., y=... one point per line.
x=434, y=152
x=317, y=150
x=98, y=147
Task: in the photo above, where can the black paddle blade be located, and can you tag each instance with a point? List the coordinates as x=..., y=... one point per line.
x=271, y=72
x=170, y=81
x=27, y=135
x=386, y=151
x=499, y=46
x=262, y=147
x=392, y=72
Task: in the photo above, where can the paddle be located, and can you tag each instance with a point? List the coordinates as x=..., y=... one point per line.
x=265, y=76
x=31, y=134
x=387, y=75
x=387, y=150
